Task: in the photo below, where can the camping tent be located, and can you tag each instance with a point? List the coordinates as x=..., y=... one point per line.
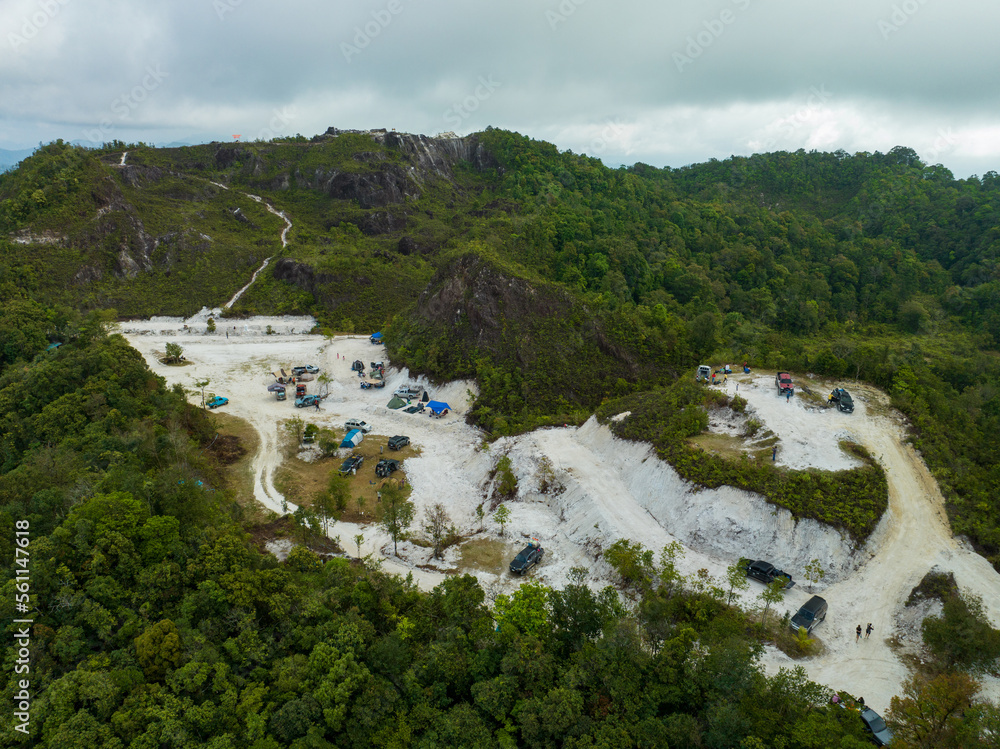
x=274, y=387
x=396, y=403
x=376, y=338
x=438, y=407
x=425, y=397
x=352, y=438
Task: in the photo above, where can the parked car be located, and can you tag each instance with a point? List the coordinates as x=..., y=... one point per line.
x=530, y=556
x=767, y=573
x=386, y=466
x=783, y=381
x=351, y=465
x=310, y=368
x=217, y=401
x=408, y=391
x=843, y=400
x=811, y=614
x=307, y=400
x=879, y=733
x=398, y=442
x=357, y=424
x=704, y=373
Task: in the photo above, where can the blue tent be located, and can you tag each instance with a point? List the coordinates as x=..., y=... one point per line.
x=352, y=438
x=376, y=337
x=438, y=406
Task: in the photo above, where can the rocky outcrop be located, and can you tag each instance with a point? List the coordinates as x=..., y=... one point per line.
x=329, y=289
x=381, y=222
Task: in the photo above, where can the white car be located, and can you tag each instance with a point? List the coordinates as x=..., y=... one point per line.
x=358, y=424
x=408, y=391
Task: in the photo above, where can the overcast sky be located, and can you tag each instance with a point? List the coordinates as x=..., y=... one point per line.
x=665, y=82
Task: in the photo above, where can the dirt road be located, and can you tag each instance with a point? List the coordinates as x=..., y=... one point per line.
x=610, y=489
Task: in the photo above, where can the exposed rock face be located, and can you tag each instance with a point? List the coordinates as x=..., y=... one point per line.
x=331, y=290
x=382, y=222
x=480, y=304
x=428, y=156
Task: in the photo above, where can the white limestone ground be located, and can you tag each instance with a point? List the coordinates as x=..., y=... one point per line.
x=609, y=489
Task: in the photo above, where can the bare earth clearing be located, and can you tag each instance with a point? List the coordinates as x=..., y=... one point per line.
x=607, y=489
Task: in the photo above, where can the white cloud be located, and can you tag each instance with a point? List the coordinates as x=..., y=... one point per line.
x=753, y=66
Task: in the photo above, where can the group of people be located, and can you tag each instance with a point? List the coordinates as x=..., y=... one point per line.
x=868, y=631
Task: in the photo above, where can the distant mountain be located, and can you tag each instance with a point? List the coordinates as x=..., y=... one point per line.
x=10, y=159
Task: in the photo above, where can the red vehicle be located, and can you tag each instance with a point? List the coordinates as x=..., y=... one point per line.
x=300, y=390
x=783, y=381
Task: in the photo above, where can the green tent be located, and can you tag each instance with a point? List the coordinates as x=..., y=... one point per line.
x=396, y=403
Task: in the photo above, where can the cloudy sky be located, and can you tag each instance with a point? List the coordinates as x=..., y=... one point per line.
x=665, y=82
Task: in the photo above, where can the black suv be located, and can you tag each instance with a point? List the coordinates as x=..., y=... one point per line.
x=843, y=400
x=528, y=558
x=811, y=614
x=767, y=573
x=398, y=442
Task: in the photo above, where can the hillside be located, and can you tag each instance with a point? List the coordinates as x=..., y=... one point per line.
x=477, y=253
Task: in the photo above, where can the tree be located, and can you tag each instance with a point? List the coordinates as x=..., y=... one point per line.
x=294, y=426
x=736, y=576
x=773, y=593
x=210, y=325
x=329, y=505
x=361, y=504
x=395, y=514
x=438, y=526
x=929, y=714
x=502, y=516
x=158, y=649
x=359, y=539
x=480, y=515
x=527, y=610
x=815, y=571
x=174, y=353
x=962, y=636
x=202, y=384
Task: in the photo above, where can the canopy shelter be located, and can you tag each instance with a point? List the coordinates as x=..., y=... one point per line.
x=352, y=438
x=275, y=387
x=396, y=402
x=376, y=337
x=438, y=407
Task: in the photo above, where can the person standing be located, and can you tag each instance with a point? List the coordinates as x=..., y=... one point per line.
x=774, y=453
x=859, y=634
x=788, y=397
x=868, y=630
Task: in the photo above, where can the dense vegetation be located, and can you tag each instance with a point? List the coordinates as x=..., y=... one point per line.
x=554, y=281
x=158, y=623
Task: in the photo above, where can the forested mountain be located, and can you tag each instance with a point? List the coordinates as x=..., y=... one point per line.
x=558, y=283
x=479, y=254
